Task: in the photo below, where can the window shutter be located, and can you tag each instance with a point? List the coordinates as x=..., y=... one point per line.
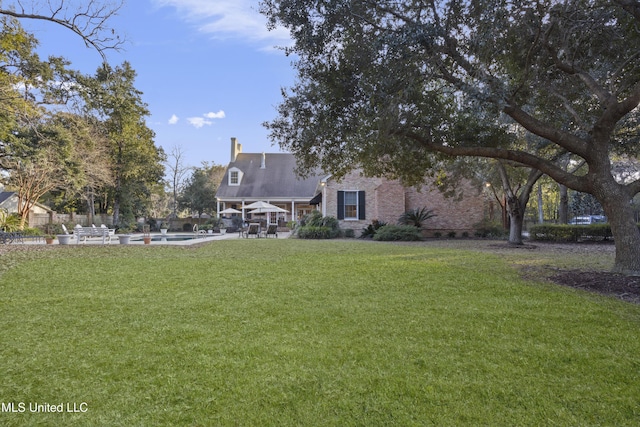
x=340, y=204
x=361, y=212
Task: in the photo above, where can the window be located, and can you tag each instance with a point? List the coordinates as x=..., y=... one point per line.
x=351, y=205
x=235, y=176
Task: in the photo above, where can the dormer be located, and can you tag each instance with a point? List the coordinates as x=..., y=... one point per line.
x=235, y=176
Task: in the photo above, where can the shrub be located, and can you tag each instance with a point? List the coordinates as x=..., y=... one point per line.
x=315, y=226
x=9, y=222
x=213, y=222
x=397, y=233
x=236, y=221
x=488, y=228
x=437, y=234
x=31, y=231
x=349, y=233
x=187, y=227
x=313, y=219
x=451, y=234
x=370, y=231
x=313, y=232
x=569, y=233
x=291, y=225
x=416, y=217
x=465, y=234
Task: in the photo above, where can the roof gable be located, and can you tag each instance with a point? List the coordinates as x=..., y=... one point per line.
x=277, y=179
x=4, y=195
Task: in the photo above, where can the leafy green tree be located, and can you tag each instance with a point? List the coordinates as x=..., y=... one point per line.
x=136, y=163
x=199, y=194
x=387, y=86
x=584, y=204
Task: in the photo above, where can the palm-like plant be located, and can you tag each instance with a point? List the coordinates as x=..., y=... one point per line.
x=416, y=217
x=9, y=222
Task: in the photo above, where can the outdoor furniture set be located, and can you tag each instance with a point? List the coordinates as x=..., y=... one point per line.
x=255, y=230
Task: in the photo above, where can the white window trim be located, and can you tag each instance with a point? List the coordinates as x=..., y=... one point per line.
x=350, y=218
x=231, y=172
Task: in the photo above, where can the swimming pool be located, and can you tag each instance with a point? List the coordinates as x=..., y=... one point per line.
x=172, y=237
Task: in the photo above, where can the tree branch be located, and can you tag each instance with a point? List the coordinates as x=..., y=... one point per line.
x=88, y=21
x=521, y=157
x=631, y=6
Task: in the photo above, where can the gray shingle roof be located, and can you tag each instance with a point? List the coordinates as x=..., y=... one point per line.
x=276, y=181
x=4, y=195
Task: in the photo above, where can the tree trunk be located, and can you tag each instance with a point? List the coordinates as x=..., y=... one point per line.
x=116, y=212
x=616, y=203
x=563, y=209
x=516, y=220
x=540, y=207
x=516, y=204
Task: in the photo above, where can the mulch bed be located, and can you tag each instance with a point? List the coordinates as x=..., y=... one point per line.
x=626, y=288
x=623, y=287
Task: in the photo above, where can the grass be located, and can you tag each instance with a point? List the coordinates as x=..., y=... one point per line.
x=292, y=332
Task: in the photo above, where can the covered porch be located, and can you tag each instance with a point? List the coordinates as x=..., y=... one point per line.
x=290, y=210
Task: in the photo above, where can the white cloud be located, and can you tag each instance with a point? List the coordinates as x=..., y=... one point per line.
x=229, y=19
x=199, y=122
x=173, y=120
x=219, y=115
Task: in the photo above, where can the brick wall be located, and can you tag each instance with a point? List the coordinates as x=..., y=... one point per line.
x=386, y=200
x=451, y=214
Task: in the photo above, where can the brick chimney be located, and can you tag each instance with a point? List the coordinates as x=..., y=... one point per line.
x=235, y=148
x=263, y=164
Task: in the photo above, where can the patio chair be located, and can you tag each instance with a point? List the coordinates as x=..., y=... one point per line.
x=272, y=230
x=252, y=230
x=110, y=231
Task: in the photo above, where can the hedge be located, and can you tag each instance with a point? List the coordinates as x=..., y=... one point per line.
x=398, y=233
x=313, y=232
x=570, y=233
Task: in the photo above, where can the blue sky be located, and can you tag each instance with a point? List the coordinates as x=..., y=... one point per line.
x=208, y=71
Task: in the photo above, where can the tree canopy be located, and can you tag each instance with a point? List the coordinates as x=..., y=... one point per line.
x=389, y=86
x=137, y=164
x=67, y=133
x=199, y=193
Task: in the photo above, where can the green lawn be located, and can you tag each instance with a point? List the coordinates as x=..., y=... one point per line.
x=305, y=333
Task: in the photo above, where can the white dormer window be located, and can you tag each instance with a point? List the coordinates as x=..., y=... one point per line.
x=235, y=176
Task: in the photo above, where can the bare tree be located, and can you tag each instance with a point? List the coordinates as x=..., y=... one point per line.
x=178, y=172
x=33, y=178
x=87, y=18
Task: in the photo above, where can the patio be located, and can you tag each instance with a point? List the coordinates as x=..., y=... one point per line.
x=136, y=239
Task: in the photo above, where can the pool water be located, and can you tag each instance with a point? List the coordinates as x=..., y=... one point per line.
x=173, y=238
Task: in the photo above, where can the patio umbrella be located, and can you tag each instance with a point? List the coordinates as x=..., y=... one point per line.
x=230, y=211
x=263, y=207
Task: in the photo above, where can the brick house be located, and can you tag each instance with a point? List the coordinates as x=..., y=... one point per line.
x=268, y=177
x=355, y=200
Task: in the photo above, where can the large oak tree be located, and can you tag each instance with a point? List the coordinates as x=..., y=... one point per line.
x=390, y=85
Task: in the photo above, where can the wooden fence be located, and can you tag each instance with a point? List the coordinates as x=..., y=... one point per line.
x=41, y=220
